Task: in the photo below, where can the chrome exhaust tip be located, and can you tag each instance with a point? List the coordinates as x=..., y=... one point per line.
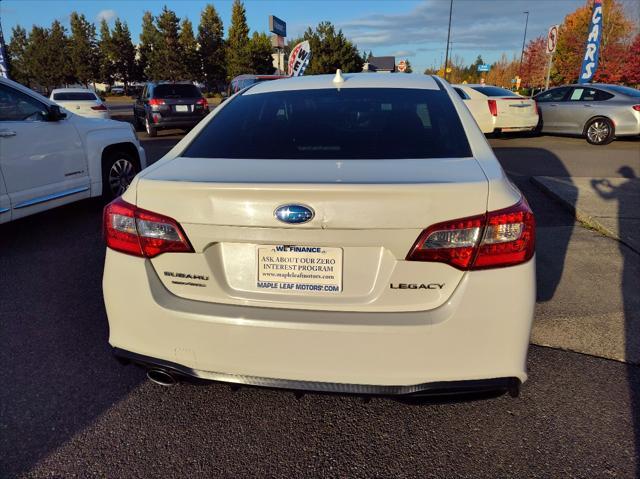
x=161, y=377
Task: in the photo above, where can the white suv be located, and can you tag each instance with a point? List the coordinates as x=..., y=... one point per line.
x=49, y=157
x=352, y=233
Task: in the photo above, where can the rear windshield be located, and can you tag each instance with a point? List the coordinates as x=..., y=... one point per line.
x=331, y=123
x=176, y=91
x=74, y=96
x=493, y=91
x=624, y=90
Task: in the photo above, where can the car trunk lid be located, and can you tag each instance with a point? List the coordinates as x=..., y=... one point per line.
x=368, y=214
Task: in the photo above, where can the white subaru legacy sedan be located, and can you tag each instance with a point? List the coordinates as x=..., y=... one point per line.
x=353, y=234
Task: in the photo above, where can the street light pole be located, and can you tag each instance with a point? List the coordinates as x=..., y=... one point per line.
x=446, y=58
x=524, y=39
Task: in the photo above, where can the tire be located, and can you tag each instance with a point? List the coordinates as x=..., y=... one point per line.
x=152, y=131
x=137, y=124
x=118, y=169
x=537, y=131
x=599, y=131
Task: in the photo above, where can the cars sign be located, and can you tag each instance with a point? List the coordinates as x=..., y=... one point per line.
x=552, y=38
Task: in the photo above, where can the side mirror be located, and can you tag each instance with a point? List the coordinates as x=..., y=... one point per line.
x=55, y=113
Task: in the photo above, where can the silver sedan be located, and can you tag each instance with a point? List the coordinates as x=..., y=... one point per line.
x=597, y=112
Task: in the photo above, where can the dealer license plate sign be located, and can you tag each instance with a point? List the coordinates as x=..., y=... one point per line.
x=300, y=269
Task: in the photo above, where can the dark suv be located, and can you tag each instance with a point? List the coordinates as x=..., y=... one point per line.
x=169, y=105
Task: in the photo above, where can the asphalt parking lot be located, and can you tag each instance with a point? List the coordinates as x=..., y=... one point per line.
x=67, y=409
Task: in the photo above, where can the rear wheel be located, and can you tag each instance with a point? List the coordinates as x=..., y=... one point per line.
x=118, y=169
x=599, y=131
x=152, y=131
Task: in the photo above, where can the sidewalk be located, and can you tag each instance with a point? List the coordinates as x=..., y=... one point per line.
x=588, y=297
x=609, y=205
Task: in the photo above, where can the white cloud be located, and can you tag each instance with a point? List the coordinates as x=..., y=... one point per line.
x=107, y=15
x=404, y=53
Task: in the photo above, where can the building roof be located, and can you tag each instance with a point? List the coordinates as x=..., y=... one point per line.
x=384, y=64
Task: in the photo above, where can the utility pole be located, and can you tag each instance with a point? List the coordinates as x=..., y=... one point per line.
x=524, y=39
x=446, y=58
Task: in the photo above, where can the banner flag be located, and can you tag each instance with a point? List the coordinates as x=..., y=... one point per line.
x=299, y=59
x=3, y=57
x=590, y=61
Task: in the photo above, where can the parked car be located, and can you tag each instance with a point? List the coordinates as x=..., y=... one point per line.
x=478, y=105
x=165, y=105
x=80, y=101
x=51, y=157
x=243, y=81
x=117, y=90
x=350, y=233
x=597, y=112
x=509, y=111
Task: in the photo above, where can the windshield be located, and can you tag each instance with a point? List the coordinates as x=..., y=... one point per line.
x=74, y=96
x=335, y=124
x=624, y=90
x=176, y=91
x=493, y=91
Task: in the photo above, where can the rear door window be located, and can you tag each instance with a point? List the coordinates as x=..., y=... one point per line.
x=347, y=123
x=176, y=91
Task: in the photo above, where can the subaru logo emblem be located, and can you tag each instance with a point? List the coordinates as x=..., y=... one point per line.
x=294, y=214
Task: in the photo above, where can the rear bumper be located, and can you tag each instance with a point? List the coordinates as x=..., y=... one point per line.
x=425, y=389
x=481, y=333
x=185, y=122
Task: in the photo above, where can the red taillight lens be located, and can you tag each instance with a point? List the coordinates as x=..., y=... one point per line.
x=500, y=238
x=493, y=107
x=100, y=107
x=203, y=103
x=156, y=102
x=636, y=107
x=535, y=105
x=139, y=232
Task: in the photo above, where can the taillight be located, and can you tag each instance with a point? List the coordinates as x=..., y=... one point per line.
x=636, y=107
x=99, y=107
x=203, y=103
x=499, y=238
x=493, y=107
x=535, y=105
x=156, y=102
x=139, y=232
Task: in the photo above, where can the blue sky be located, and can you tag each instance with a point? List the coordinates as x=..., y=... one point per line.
x=416, y=30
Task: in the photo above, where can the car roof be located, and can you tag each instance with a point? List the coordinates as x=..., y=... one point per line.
x=71, y=90
x=351, y=80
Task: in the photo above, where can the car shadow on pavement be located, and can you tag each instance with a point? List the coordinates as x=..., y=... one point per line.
x=58, y=375
x=627, y=209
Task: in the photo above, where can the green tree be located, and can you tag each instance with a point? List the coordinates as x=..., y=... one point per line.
x=149, y=63
x=18, y=69
x=106, y=69
x=331, y=50
x=260, y=51
x=238, y=52
x=123, y=53
x=212, y=53
x=83, y=49
x=61, y=69
x=169, y=49
x=189, y=48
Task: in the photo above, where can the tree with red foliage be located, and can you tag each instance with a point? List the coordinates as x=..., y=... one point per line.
x=616, y=31
x=631, y=63
x=534, y=64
